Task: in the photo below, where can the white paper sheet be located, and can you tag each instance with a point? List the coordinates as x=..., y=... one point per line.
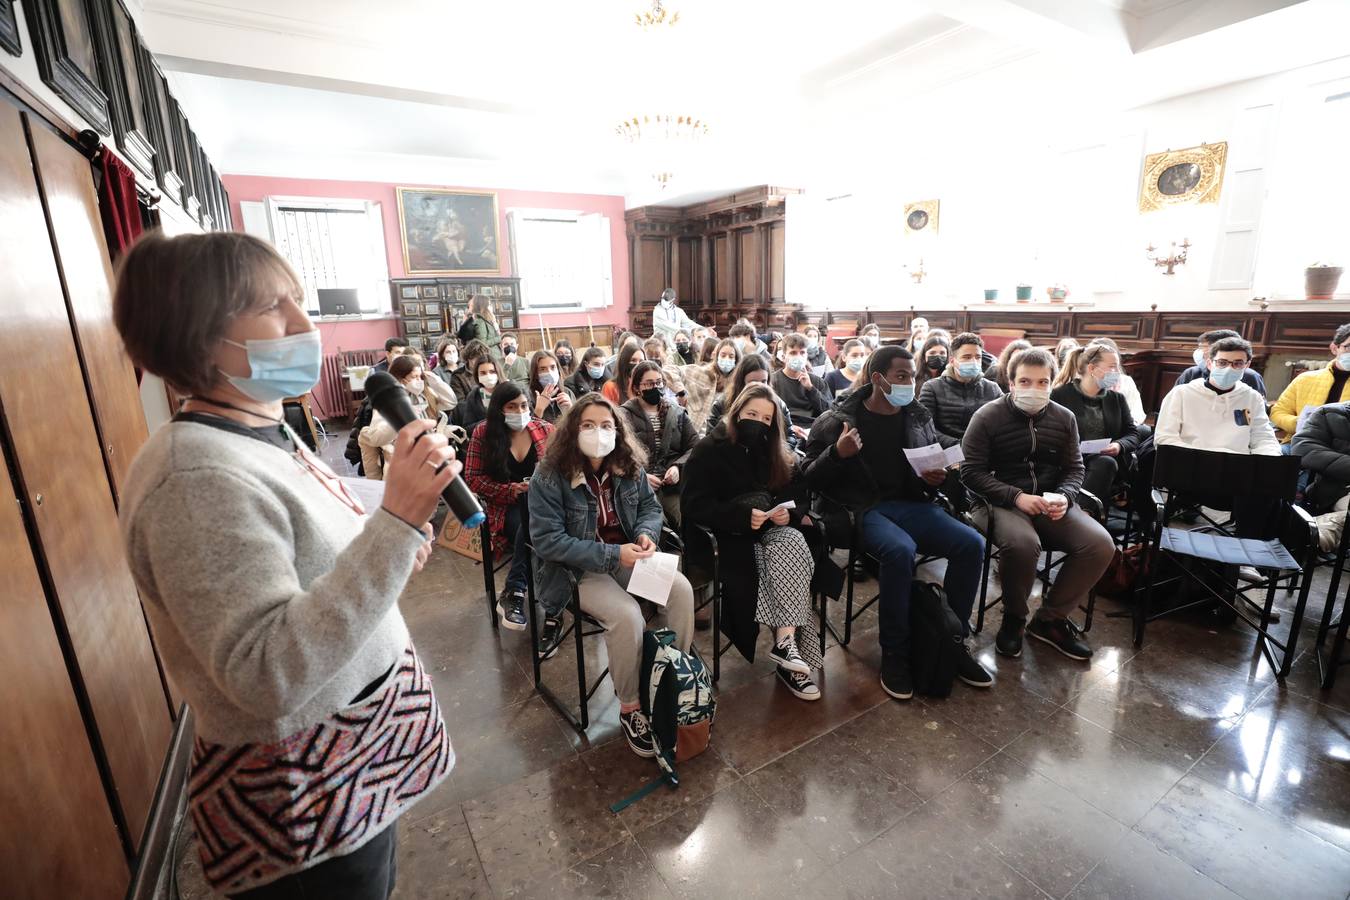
x=786, y=504
x=1087, y=448
x=931, y=457
x=653, y=576
x=369, y=491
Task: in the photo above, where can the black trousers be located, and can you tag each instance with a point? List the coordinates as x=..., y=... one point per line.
x=364, y=874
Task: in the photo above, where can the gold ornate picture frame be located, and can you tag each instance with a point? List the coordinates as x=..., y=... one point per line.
x=1181, y=177
x=449, y=232
x=921, y=217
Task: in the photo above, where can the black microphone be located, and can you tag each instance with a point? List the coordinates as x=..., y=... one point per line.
x=389, y=398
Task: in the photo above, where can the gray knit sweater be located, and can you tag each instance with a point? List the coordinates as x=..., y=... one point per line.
x=272, y=603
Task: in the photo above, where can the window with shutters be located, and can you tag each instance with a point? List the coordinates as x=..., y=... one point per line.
x=563, y=259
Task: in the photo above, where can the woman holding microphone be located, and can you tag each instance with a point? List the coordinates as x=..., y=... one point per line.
x=272, y=593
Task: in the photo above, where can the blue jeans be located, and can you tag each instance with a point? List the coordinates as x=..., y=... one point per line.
x=1303, y=475
x=895, y=531
x=518, y=533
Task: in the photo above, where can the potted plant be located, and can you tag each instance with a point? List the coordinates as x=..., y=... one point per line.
x=1057, y=293
x=990, y=295
x=1320, y=280
x=1023, y=293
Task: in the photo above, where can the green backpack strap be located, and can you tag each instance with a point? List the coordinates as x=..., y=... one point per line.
x=672, y=779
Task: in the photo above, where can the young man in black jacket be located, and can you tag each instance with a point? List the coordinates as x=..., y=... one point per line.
x=1022, y=457
x=805, y=394
x=855, y=455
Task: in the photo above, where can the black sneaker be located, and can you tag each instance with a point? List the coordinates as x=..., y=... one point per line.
x=970, y=671
x=550, y=636
x=638, y=733
x=1008, y=641
x=511, y=610
x=802, y=687
x=896, y=678
x=786, y=655
x=1061, y=634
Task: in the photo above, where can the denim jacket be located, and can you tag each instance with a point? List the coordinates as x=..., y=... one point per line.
x=563, y=531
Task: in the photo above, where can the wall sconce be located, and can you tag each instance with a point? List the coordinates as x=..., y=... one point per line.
x=1177, y=258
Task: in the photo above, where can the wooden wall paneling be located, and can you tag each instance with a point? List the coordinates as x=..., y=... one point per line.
x=1186, y=327
x=721, y=269
x=686, y=278
x=748, y=262
x=60, y=474
x=67, y=186
x=777, y=269
x=651, y=272
x=60, y=837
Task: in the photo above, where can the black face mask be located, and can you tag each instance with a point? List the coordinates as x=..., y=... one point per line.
x=564, y=360
x=936, y=363
x=651, y=396
x=751, y=433
x=682, y=347
x=508, y=349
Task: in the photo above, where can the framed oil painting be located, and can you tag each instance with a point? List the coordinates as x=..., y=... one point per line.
x=412, y=326
x=431, y=309
x=409, y=292
x=69, y=37
x=449, y=232
x=508, y=323
x=921, y=217
x=9, y=29
x=412, y=309
x=1180, y=177
x=431, y=290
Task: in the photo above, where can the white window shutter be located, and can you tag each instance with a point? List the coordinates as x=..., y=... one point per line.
x=256, y=222
x=595, y=240
x=1244, y=195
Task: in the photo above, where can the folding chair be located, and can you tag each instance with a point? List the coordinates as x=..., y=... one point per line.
x=991, y=553
x=712, y=583
x=1329, y=664
x=490, y=569
x=1183, y=472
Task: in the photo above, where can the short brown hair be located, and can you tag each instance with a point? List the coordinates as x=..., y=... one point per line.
x=176, y=296
x=405, y=365
x=1033, y=357
x=793, y=340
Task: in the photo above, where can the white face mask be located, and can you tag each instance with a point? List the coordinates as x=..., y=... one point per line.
x=871, y=340
x=548, y=378
x=1199, y=356
x=1030, y=400
x=597, y=443
x=451, y=361
x=516, y=421
x=415, y=386
x=488, y=382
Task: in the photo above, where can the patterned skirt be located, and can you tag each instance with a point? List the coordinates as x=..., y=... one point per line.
x=263, y=811
x=784, y=566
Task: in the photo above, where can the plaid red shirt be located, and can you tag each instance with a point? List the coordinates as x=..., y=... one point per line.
x=497, y=496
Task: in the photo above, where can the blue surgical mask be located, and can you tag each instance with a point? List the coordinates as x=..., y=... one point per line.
x=596, y=372
x=550, y=378
x=516, y=421
x=1343, y=362
x=1109, y=381
x=726, y=364
x=795, y=364
x=969, y=369
x=280, y=367
x=812, y=343
x=855, y=364
x=901, y=395
x=1223, y=379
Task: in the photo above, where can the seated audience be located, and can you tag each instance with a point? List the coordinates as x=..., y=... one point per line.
x=1085, y=387
x=514, y=367
x=1127, y=389
x=708, y=380
x=743, y=333
x=870, y=335
x=701, y=333
x=918, y=334
x=686, y=354
x=752, y=369
x=656, y=351
x=447, y=361
x=737, y=477
x=567, y=358
x=668, y=318
x=462, y=379
x=1323, y=446
x=952, y=398
x=1001, y=367
x=1315, y=387
x=806, y=395
x=855, y=455
x=590, y=373
x=1063, y=349
x=847, y=367
x=815, y=352
x=376, y=440
x=503, y=451
x=473, y=409
x=393, y=348
x=665, y=433
x=483, y=322
x=932, y=357
x=626, y=338
x=549, y=397
x=616, y=389
x=1200, y=372
x=1019, y=449
x=592, y=517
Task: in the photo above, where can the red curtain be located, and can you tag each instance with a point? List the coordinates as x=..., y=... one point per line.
x=118, y=204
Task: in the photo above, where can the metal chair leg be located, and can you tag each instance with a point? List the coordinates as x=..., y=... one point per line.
x=582, y=694
x=489, y=571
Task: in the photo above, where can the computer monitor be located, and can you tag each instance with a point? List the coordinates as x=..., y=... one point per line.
x=339, y=302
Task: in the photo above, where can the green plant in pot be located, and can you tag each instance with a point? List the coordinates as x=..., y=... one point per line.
x=1320, y=280
x=1023, y=293
x=1057, y=293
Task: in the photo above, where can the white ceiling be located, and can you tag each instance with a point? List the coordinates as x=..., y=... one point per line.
x=526, y=93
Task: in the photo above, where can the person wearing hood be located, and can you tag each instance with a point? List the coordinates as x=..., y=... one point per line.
x=1022, y=457
x=855, y=456
x=668, y=318
x=954, y=396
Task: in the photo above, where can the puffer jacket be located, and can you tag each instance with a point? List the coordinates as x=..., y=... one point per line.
x=1323, y=445
x=677, y=435
x=1009, y=452
x=1308, y=389
x=951, y=402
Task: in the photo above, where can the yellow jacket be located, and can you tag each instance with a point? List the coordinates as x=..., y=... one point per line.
x=1308, y=389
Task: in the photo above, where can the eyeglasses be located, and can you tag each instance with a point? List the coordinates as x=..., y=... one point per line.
x=648, y=385
x=1231, y=364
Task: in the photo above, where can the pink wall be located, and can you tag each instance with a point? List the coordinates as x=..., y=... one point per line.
x=372, y=333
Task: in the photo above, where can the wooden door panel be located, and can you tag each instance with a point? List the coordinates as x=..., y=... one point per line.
x=82, y=257
x=50, y=792
x=61, y=476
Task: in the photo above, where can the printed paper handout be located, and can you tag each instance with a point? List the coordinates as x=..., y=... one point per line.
x=927, y=459
x=653, y=576
x=1087, y=448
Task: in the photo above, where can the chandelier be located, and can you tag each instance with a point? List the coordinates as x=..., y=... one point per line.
x=661, y=139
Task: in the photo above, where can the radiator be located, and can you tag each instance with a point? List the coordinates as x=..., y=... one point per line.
x=336, y=389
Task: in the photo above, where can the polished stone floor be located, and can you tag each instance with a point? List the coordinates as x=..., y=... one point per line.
x=1182, y=770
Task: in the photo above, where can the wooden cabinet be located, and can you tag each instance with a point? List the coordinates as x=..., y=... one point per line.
x=723, y=257
x=430, y=308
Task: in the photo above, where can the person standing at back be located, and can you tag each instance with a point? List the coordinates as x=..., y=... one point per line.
x=668, y=318
x=482, y=325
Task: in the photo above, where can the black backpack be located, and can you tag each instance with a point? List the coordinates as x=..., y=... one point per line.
x=934, y=639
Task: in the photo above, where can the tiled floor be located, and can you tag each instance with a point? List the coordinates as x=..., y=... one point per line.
x=1180, y=770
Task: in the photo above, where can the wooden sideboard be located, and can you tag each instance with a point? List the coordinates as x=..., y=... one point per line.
x=1157, y=344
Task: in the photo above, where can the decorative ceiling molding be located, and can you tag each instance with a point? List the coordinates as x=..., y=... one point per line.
x=225, y=16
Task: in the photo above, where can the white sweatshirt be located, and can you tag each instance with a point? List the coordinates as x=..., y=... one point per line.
x=1193, y=415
